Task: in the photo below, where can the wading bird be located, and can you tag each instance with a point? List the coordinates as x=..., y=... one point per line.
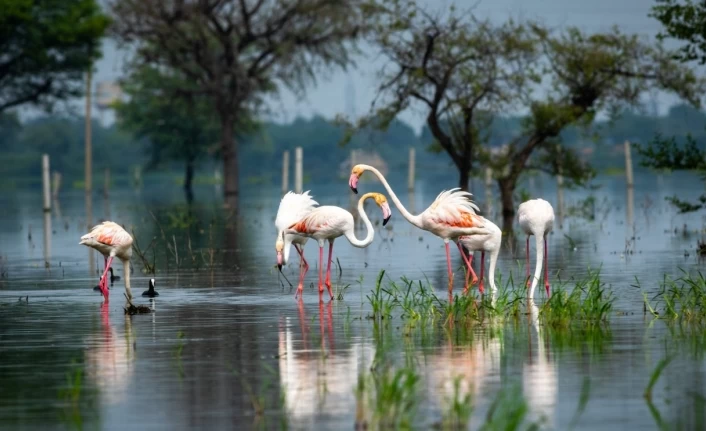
x=150, y=292
x=451, y=215
x=490, y=242
x=292, y=208
x=330, y=222
x=111, y=240
x=536, y=218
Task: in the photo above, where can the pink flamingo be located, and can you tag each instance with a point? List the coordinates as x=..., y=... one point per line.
x=292, y=208
x=330, y=222
x=451, y=215
x=536, y=218
x=111, y=240
x=489, y=242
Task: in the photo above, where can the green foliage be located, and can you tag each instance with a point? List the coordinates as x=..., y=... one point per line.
x=588, y=303
x=683, y=299
x=683, y=20
x=47, y=46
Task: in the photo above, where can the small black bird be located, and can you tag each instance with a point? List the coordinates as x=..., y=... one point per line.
x=150, y=292
x=112, y=279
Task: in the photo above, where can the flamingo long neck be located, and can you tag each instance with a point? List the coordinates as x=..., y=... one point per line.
x=287, y=246
x=350, y=234
x=540, y=260
x=126, y=270
x=414, y=219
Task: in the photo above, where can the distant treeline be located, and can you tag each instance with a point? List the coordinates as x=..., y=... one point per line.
x=21, y=146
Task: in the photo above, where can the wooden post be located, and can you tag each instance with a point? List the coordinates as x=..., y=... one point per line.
x=488, y=190
x=298, y=169
x=88, y=168
x=285, y=172
x=410, y=179
x=106, y=182
x=46, y=185
x=47, y=238
x=628, y=165
x=560, y=190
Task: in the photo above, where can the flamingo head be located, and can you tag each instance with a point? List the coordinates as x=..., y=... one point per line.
x=381, y=200
x=279, y=248
x=356, y=172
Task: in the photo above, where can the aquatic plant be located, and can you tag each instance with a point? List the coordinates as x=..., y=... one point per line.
x=589, y=302
x=682, y=299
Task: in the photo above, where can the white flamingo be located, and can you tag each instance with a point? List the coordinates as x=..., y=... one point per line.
x=487, y=242
x=292, y=208
x=536, y=218
x=330, y=222
x=451, y=215
x=111, y=240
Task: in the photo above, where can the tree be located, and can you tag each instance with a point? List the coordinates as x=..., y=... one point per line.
x=684, y=21
x=460, y=70
x=46, y=47
x=179, y=125
x=236, y=51
x=464, y=72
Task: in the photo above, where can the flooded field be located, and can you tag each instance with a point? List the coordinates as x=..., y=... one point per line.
x=228, y=346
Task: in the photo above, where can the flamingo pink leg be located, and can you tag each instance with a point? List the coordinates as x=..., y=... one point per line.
x=546, y=267
x=527, y=274
x=104, y=282
x=321, y=268
x=448, y=264
x=469, y=263
x=482, y=266
x=303, y=268
x=328, y=269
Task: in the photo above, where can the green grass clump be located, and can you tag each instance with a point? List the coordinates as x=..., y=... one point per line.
x=589, y=302
x=683, y=299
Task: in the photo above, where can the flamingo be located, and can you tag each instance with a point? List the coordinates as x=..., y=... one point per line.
x=451, y=215
x=292, y=208
x=111, y=240
x=488, y=242
x=536, y=218
x=330, y=222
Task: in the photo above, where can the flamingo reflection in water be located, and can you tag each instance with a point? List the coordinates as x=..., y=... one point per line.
x=109, y=359
x=539, y=374
x=476, y=367
x=318, y=380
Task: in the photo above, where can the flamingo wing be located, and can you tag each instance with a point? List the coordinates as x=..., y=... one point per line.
x=108, y=233
x=454, y=208
x=292, y=208
x=328, y=219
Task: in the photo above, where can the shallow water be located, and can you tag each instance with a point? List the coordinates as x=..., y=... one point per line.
x=228, y=340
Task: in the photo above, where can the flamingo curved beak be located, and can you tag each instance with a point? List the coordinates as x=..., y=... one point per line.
x=353, y=183
x=386, y=213
x=279, y=260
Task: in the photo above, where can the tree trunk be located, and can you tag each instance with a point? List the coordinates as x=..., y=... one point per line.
x=463, y=174
x=507, y=188
x=188, y=179
x=229, y=151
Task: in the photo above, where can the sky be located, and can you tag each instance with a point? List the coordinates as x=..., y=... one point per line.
x=329, y=96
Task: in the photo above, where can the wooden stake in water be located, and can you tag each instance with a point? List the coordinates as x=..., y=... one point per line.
x=298, y=169
x=560, y=189
x=46, y=185
x=410, y=178
x=88, y=168
x=106, y=182
x=285, y=172
x=628, y=165
x=488, y=189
